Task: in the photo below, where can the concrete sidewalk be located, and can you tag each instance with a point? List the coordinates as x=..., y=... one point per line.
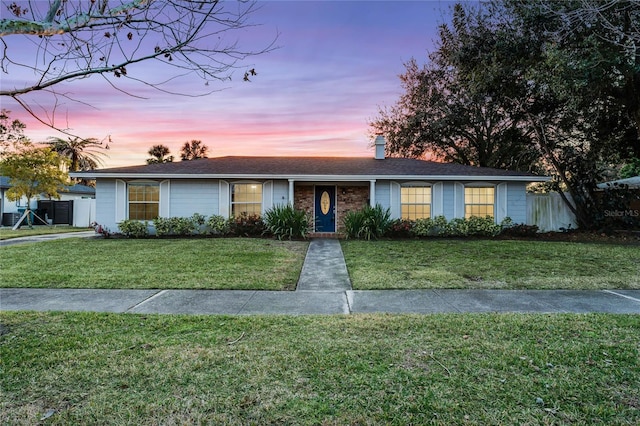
x=47, y=237
x=323, y=288
x=242, y=302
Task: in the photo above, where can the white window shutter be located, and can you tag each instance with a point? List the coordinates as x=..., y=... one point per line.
x=121, y=201
x=165, y=202
x=394, y=198
x=458, y=200
x=501, y=202
x=437, y=199
x=267, y=196
x=224, y=200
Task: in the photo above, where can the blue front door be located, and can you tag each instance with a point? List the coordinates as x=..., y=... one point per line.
x=325, y=209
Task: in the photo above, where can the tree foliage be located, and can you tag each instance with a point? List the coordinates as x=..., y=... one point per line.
x=159, y=154
x=11, y=132
x=193, y=150
x=563, y=81
x=33, y=171
x=83, y=154
x=72, y=40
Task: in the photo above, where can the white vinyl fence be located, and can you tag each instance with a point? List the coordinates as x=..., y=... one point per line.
x=549, y=212
x=84, y=212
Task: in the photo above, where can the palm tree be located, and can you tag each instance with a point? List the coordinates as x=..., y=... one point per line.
x=193, y=150
x=83, y=154
x=159, y=154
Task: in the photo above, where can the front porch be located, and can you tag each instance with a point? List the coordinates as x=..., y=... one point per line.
x=330, y=201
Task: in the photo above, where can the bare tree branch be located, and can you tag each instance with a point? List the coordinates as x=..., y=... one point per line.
x=72, y=40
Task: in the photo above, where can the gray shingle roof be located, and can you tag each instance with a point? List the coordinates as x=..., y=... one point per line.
x=271, y=167
x=75, y=189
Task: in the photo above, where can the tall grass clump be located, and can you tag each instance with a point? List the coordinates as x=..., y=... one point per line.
x=286, y=222
x=368, y=223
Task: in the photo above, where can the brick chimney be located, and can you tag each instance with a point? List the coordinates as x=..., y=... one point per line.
x=379, y=144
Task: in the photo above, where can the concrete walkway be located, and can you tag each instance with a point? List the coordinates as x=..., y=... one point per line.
x=324, y=268
x=323, y=288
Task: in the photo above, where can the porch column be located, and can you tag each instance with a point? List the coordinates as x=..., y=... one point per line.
x=291, y=181
x=372, y=192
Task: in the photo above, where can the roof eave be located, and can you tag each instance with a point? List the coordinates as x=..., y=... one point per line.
x=307, y=178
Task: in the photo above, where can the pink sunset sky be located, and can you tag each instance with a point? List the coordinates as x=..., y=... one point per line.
x=335, y=64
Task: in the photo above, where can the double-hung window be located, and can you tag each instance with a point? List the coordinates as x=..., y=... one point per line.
x=415, y=202
x=479, y=201
x=144, y=200
x=246, y=199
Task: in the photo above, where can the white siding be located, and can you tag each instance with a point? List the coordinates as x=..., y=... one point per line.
x=280, y=192
x=193, y=196
x=517, y=202
x=448, y=200
x=106, y=203
x=383, y=194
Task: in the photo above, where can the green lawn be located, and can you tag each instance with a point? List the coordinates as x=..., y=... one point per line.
x=207, y=263
x=7, y=233
x=494, y=264
x=348, y=370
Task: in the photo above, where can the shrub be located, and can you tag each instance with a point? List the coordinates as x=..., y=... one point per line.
x=368, y=223
x=179, y=225
x=483, y=226
x=286, y=222
x=184, y=226
x=217, y=225
x=247, y=226
x=353, y=223
x=133, y=228
x=520, y=230
x=401, y=228
x=162, y=226
x=458, y=227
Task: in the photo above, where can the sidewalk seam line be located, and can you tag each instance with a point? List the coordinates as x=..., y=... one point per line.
x=245, y=303
x=349, y=309
x=153, y=296
x=622, y=295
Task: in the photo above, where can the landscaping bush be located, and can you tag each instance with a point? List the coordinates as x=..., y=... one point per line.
x=458, y=227
x=217, y=225
x=368, y=223
x=401, y=228
x=247, y=226
x=134, y=228
x=286, y=222
x=432, y=227
x=483, y=226
x=181, y=226
x=520, y=230
x=353, y=223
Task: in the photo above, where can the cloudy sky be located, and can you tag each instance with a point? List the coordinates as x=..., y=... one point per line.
x=336, y=63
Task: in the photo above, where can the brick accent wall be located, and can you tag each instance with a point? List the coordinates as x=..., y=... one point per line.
x=354, y=198
x=303, y=198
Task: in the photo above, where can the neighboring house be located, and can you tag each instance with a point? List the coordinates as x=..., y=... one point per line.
x=73, y=192
x=325, y=187
x=632, y=183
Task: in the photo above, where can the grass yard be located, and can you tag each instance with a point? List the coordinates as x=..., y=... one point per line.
x=208, y=263
x=87, y=368
x=7, y=233
x=494, y=264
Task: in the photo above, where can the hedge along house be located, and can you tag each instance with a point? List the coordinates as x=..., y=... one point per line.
x=325, y=187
